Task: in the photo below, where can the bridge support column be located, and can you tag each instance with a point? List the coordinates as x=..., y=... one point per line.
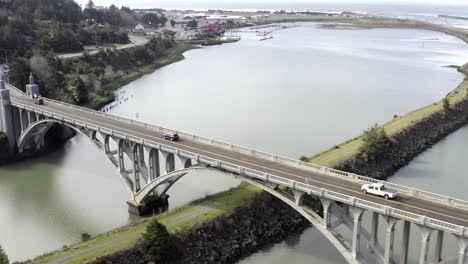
x=154, y=169
x=438, y=248
x=389, y=239
x=375, y=228
x=169, y=162
x=121, y=156
x=425, y=237
x=326, y=203
x=298, y=196
x=463, y=247
x=405, y=242
x=357, y=216
x=136, y=168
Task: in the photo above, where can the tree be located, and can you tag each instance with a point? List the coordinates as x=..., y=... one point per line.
x=151, y=19
x=90, y=5
x=375, y=140
x=3, y=257
x=156, y=240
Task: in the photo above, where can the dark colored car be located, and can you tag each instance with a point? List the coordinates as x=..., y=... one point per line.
x=39, y=101
x=171, y=137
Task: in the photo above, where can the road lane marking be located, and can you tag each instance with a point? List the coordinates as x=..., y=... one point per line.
x=255, y=165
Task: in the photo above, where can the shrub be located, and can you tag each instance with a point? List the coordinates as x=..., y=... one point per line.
x=375, y=140
x=3, y=257
x=446, y=104
x=156, y=240
x=85, y=237
x=303, y=158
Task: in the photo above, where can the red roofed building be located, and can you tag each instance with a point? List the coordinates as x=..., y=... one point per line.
x=211, y=29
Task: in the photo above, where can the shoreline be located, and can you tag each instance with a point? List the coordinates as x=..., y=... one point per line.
x=365, y=25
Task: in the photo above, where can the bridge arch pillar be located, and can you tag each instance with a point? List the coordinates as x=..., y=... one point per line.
x=425, y=237
x=438, y=248
x=463, y=248
x=121, y=151
x=153, y=162
x=389, y=238
x=326, y=203
x=356, y=212
x=169, y=162
x=136, y=167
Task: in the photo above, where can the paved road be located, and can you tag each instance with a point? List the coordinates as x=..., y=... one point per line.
x=134, y=41
x=410, y=204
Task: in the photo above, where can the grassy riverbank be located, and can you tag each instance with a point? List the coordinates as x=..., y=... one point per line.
x=106, y=94
x=340, y=153
x=177, y=220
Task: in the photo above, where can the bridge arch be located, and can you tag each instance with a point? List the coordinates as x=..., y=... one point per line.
x=168, y=180
x=39, y=129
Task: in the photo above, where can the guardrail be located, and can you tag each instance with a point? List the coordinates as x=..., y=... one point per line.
x=442, y=199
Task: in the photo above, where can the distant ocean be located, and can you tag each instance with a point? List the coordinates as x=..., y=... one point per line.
x=424, y=12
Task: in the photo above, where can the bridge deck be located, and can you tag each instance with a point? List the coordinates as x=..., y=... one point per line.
x=411, y=204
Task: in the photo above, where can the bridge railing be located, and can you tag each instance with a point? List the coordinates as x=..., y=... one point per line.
x=275, y=158
x=344, y=198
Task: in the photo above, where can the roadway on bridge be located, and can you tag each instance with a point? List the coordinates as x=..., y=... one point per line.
x=411, y=204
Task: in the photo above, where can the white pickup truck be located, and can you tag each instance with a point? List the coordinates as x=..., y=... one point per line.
x=379, y=190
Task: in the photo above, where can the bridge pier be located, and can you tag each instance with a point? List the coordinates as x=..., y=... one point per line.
x=6, y=116
x=153, y=205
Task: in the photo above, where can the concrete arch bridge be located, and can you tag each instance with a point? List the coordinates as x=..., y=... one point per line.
x=146, y=163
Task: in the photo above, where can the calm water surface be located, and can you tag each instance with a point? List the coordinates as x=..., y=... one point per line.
x=299, y=93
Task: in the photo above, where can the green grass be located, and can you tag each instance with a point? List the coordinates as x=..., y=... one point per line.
x=345, y=151
x=125, y=238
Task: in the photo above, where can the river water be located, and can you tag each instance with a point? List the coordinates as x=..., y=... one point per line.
x=301, y=92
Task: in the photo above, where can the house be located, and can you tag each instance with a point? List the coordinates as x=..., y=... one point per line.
x=139, y=29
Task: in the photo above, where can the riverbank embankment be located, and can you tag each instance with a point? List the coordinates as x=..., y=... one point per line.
x=228, y=238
